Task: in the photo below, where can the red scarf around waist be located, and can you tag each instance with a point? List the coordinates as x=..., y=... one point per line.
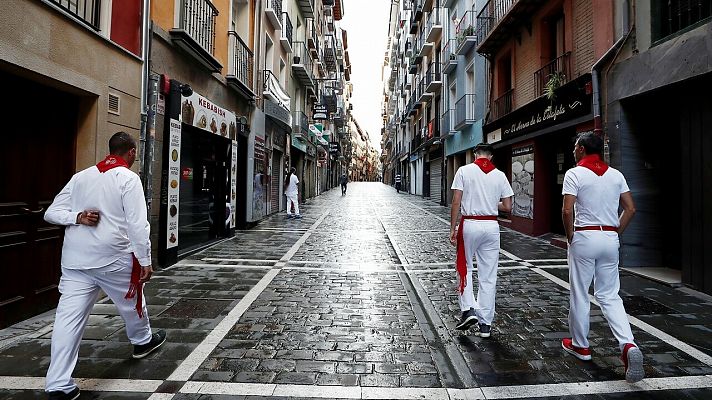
x=135, y=287
x=460, y=260
x=594, y=163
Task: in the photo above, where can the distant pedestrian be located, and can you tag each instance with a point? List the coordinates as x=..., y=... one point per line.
x=291, y=190
x=593, y=191
x=480, y=191
x=398, y=183
x=106, y=248
x=344, y=182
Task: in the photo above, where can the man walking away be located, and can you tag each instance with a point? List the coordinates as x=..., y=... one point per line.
x=479, y=192
x=291, y=190
x=398, y=183
x=344, y=182
x=106, y=247
x=593, y=191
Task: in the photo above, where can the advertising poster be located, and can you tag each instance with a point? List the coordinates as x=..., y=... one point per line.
x=174, y=174
x=233, y=184
x=201, y=113
x=523, y=181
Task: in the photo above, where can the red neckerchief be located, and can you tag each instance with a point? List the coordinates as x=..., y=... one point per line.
x=135, y=287
x=111, y=161
x=485, y=165
x=594, y=163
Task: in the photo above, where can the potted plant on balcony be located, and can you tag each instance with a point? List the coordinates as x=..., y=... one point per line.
x=297, y=59
x=556, y=80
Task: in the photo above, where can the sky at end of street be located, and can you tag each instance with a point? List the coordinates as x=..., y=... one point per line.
x=366, y=23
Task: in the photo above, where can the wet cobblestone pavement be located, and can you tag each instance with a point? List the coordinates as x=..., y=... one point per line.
x=357, y=300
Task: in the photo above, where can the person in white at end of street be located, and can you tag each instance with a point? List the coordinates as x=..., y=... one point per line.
x=106, y=248
x=291, y=190
x=480, y=191
x=593, y=192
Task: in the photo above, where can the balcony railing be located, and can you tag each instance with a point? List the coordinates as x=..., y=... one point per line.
x=241, y=61
x=433, y=128
x=274, y=13
x=448, y=123
x=287, y=32
x=465, y=33
x=449, y=56
x=559, y=70
x=301, y=123
x=502, y=106
x=87, y=11
x=490, y=15
x=198, y=21
x=302, y=65
x=434, y=80
x=434, y=26
x=670, y=17
x=465, y=111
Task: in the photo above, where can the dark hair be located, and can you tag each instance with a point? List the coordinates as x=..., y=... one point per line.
x=289, y=176
x=592, y=144
x=484, y=149
x=121, y=143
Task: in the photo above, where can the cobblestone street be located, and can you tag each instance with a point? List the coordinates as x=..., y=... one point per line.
x=357, y=300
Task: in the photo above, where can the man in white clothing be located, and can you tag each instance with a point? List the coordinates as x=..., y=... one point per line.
x=106, y=248
x=593, y=192
x=291, y=190
x=480, y=191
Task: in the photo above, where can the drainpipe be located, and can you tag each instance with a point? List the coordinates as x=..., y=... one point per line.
x=147, y=112
x=596, y=70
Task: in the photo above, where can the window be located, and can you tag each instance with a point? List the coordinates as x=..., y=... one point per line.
x=671, y=16
x=88, y=11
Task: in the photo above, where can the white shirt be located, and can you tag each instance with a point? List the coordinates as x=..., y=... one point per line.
x=597, y=197
x=398, y=178
x=292, y=186
x=123, y=226
x=481, y=193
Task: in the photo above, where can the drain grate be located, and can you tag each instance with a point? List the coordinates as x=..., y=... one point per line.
x=196, y=308
x=641, y=305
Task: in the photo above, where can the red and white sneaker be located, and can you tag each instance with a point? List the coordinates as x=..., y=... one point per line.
x=582, y=353
x=633, y=360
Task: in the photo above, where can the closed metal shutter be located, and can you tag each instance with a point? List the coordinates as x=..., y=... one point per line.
x=436, y=170
x=276, y=182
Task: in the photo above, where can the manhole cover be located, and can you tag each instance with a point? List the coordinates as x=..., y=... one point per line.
x=196, y=308
x=641, y=305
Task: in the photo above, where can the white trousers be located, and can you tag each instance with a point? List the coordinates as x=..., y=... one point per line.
x=80, y=290
x=481, y=240
x=593, y=255
x=292, y=199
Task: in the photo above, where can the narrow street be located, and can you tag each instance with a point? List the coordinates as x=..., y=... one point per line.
x=357, y=300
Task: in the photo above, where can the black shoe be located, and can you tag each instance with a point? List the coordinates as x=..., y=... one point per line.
x=468, y=319
x=142, y=350
x=59, y=395
x=485, y=331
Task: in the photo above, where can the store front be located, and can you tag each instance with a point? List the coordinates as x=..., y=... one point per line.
x=533, y=147
x=198, y=192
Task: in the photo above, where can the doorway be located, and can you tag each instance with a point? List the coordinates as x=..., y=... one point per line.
x=38, y=160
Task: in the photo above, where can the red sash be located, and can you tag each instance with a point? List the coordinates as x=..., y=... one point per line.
x=594, y=163
x=135, y=286
x=460, y=260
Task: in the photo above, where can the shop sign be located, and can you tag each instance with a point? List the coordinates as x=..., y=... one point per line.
x=495, y=136
x=316, y=129
x=320, y=112
x=173, y=183
x=187, y=174
x=311, y=150
x=278, y=113
x=523, y=181
x=334, y=147
x=259, y=149
x=201, y=113
x=233, y=184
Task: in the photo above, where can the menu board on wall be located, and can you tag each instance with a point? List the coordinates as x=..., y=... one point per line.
x=233, y=184
x=201, y=113
x=523, y=181
x=173, y=183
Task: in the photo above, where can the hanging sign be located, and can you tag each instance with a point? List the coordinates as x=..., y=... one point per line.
x=321, y=113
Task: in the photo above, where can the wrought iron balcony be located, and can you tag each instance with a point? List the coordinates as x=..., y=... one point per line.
x=434, y=26
x=306, y=7
x=423, y=95
x=300, y=123
x=302, y=66
x=500, y=19
x=274, y=13
x=424, y=47
x=240, y=72
x=465, y=33
x=502, y=106
x=449, y=57
x=87, y=11
x=287, y=31
x=465, y=112
x=447, y=123
x=670, y=17
x=196, y=32
x=330, y=53
x=433, y=128
x=433, y=78
x=312, y=37
x=558, y=69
